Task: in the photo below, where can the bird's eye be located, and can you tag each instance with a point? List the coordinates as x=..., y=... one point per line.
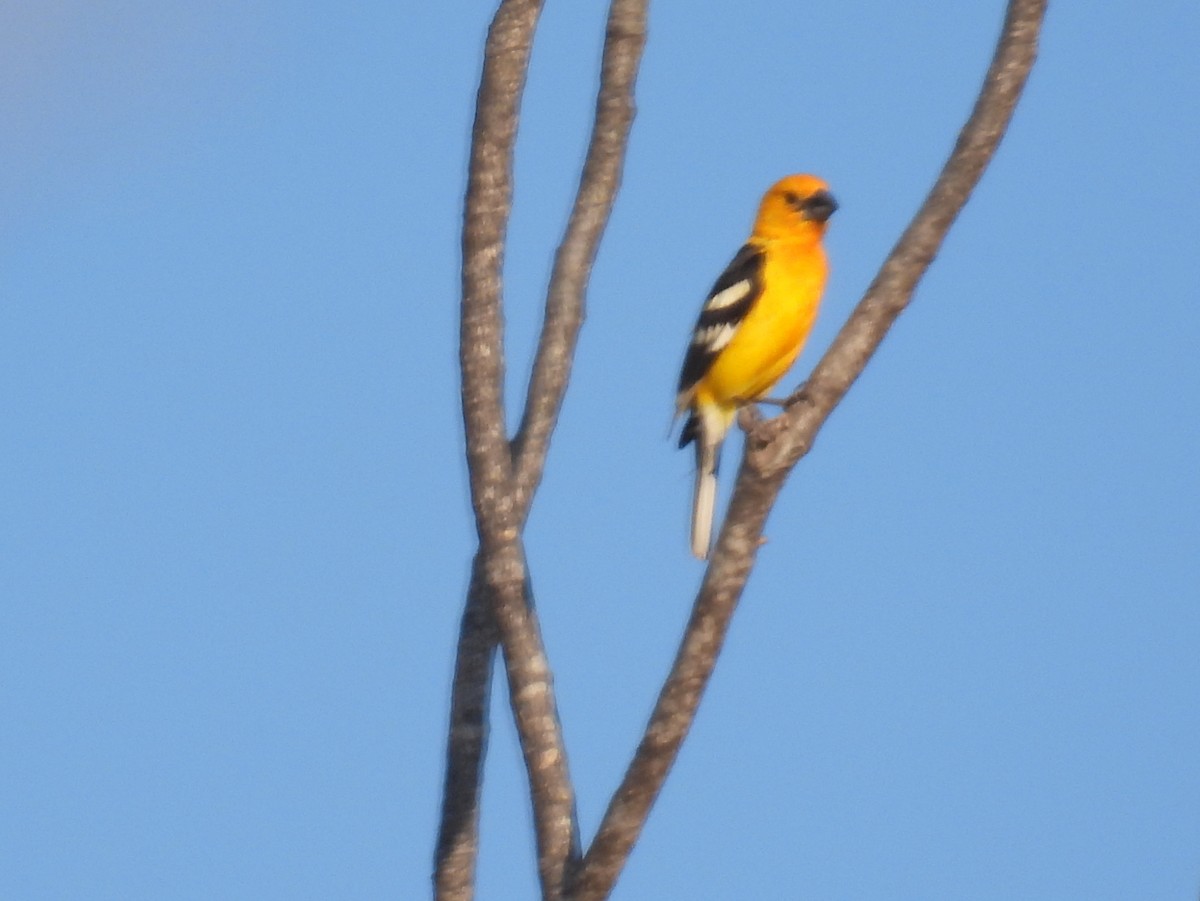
x=792, y=199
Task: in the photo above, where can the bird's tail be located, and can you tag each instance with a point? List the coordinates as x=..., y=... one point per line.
x=704, y=496
x=706, y=426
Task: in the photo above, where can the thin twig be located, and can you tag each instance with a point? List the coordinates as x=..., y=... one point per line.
x=775, y=446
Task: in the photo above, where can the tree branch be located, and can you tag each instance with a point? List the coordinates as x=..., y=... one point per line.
x=500, y=577
x=485, y=222
x=625, y=38
x=774, y=447
x=500, y=583
x=458, y=833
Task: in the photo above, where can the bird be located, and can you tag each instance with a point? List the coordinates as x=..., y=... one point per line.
x=751, y=328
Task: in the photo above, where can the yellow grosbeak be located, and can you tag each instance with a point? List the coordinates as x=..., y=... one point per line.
x=752, y=326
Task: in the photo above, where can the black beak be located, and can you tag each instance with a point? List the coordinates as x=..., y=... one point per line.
x=819, y=206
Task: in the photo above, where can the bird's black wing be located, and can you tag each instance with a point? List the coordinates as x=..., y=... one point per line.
x=727, y=304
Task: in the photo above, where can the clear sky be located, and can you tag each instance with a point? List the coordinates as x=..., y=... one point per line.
x=234, y=527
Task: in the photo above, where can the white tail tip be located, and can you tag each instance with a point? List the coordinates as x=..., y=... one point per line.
x=703, y=502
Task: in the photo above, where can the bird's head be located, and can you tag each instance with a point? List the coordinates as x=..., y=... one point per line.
x=797, y=207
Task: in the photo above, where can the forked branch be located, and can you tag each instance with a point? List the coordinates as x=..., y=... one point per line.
x=774, y=447
x=505, y=476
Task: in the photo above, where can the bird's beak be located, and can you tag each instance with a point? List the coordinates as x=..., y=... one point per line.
x=819, y=206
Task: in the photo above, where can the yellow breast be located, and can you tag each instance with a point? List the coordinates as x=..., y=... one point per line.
x=774, y=331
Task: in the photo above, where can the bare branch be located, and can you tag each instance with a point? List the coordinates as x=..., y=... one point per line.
x=892, y=288
x=500, y=603
x=624, y=39
x=531, y=696
x=458, y=834
x=500, y=578
x=501, y=501
x=774, y=447
x=530, y=685
x=487, y=208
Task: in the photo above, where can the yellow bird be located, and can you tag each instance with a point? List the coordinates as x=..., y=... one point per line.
x=752, y=327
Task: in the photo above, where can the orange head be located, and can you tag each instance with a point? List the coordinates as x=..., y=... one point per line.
x=796, y=208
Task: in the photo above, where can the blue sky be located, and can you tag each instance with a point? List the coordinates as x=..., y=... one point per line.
x=235, y=531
